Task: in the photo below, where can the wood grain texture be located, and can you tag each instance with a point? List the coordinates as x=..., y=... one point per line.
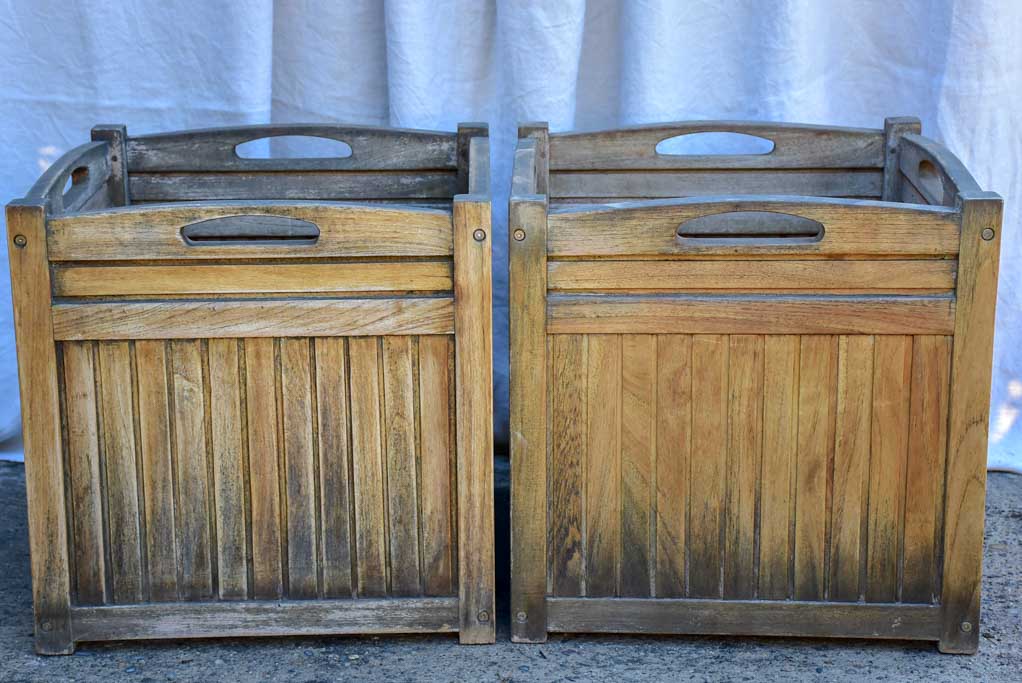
x=638, y=463
x=852, y=227
x=116, y=137
x=72, y=281
x=154, y=232
x=674, y=407
x=749, y=314
x=895, y=128
x=474, y=414
x=969, y=421
x=252, y=318
x=41, y=430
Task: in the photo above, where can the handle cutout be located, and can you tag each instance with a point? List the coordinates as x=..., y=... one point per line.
x=250, y=230
x=752, y=228
x=76, y=177
x=930, y=180
x=293, y=147
x=714, y=143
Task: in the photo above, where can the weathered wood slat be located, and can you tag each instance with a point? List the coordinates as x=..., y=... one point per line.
x=866, y=183
x=345, y=230
x=367, y=465
x=674, y=406
x=71, y=281
x=853, y=227
x=781, y=362
x=253, y=318
x=87, y=167
x=603, y=550
x=795, y=146
x=435, y=449
x=335, y=456
x=565, y=483
x=213, y=149
x=638, y=463
x=401, y=455
x=817, y=275
x=266, y=618
x=933, y=170
x=892, y=381
x=749, y=314
x=709, y=440
x=744, y=617
x=158, y=471
x=264, y=468
x=86, y=482
x=228, y=453
x=300, y=468
x=118, y=453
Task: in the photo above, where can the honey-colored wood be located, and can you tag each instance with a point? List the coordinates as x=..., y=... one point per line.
x=673, y=460
x=638, y=463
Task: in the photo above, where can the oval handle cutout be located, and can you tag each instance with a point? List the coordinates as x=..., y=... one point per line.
x=714, y=143
x=250, y=230
x=293, y=147
x=751, y=227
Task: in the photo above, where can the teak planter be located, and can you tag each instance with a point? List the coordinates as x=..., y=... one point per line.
x=250, y=408
x=766, y=423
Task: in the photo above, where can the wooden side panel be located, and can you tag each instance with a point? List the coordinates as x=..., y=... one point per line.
x=709, y=448
x=567, y=419
x=674, y=408
x=638, y=463
x=891, y=386
x=603, y=549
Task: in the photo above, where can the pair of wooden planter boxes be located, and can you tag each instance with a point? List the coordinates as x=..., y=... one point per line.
x=749, y=393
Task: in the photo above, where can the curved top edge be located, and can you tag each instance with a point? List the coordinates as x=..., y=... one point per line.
x=948, y=163
x=723, y=125
x=277, y=129
x=53, y=178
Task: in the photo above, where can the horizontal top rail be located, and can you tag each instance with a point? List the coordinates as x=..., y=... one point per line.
x=795, y=146
x=87, y=167
x=214, y=149
x=937, y=174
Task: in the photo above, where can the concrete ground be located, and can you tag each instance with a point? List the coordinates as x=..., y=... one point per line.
x=563, y=658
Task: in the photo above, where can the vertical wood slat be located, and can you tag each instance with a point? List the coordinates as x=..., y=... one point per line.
x=334, y=465
x=157, y=469
x=924, y=482
x=567, y=419
x=227, y=449
x=745, y=430
x=638, y=460
x=193, y=532
x=781, y=361
x=674, y=418
x=118, y=454
x=603, y=465
x=299, y=463
x=817, y=379
x=709, y=441
x=86, y=483
x=435, y=454
x=402, y=496
x=851, y=466
x=267, y=571
x=367, y=450
x=891, y=385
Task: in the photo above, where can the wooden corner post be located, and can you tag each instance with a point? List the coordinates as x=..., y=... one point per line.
x=473, y=325
x=894, y=128
x=527, y=228
x=40, y=419
x=117, y=137
x=971, y=362
x=467, y=131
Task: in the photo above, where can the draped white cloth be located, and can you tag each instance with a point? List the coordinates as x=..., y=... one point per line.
x=168, y=65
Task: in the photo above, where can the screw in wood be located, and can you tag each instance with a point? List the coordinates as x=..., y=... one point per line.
x=519, y=234
x=483, y=616
x=988, y=234
x=47, y=626
x=966, y=627
x=20, y=241
x=479, y=235
x=522, y=617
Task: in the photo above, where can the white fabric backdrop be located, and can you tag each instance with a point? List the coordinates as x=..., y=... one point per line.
x=158, y=66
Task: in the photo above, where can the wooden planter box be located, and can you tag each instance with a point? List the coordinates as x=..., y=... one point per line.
x=249, y=408
x=765, y=424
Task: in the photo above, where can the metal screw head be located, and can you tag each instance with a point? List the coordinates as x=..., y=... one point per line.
x=966, y=627
x=522, y=617
x=479, y=235
x=20, y=241
x=987, y=234
x=47, y=625
x=519, y=234
x=483, y=616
